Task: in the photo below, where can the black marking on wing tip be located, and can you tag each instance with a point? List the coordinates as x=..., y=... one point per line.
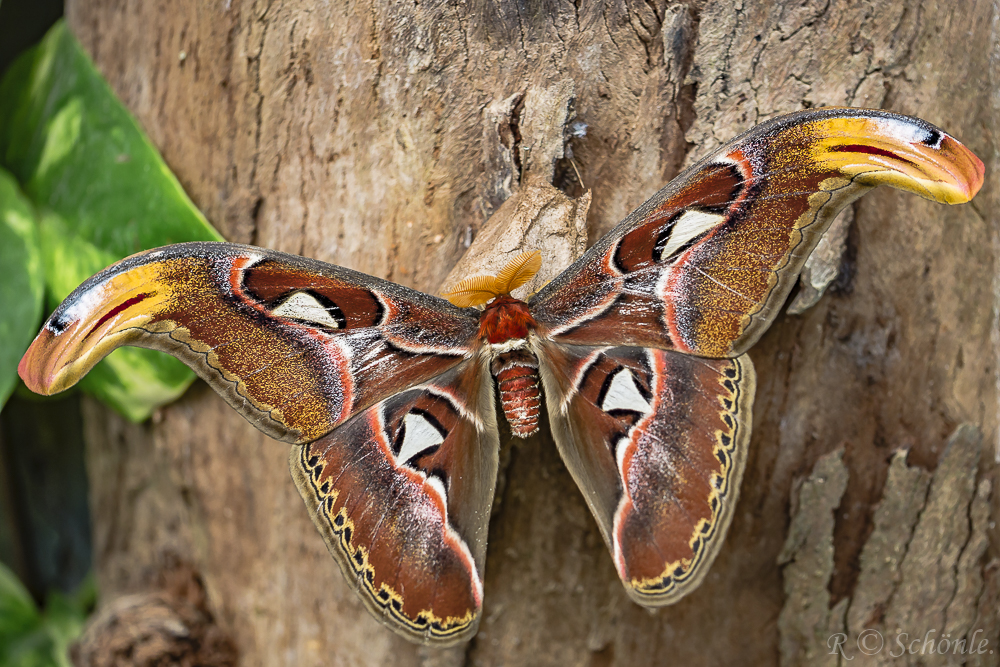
x=338, y=520
x=730, y=372
x=934, y=137
x=57, y=324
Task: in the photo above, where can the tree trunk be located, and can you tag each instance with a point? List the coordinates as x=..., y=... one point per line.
x=382, y=137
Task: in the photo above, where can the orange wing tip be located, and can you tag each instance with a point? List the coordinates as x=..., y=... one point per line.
x=34, y=371
x=97, y=318
x=970, y=170
x=54, y=363
x=901, y=152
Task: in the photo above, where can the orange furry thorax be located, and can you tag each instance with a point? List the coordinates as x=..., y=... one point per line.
x=504, y=319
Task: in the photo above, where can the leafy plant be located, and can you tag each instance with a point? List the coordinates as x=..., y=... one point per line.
x=83, y=188
x=32, y=638
x=23, y=279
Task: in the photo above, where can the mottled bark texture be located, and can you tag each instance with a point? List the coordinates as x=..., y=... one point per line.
x=382, y=136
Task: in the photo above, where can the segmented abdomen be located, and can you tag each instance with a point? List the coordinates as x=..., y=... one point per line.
x=517, y=378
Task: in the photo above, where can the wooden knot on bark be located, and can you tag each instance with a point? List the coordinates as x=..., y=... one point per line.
x=167, y=626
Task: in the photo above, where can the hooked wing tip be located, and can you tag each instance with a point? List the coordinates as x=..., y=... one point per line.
x=83, y=330
x=37, y=367
x=26, y=370
x=877, y=148
x=970, y=171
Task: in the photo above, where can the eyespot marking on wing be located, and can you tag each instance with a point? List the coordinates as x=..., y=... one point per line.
x=623, y=394
x=313, y=308
x=420, y=432
x=676, y=237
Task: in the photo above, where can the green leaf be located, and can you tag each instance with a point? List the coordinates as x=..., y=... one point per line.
x=103, y=191
x=18, y=614
x=29, y=637
x=23, y=281
x=65, y=617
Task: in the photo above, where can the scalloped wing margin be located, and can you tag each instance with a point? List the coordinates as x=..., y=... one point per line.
x=657, y=441
x=402, y=494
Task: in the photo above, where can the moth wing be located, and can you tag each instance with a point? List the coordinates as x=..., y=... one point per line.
x=402, y=493
x=295, y=345
x=705, y=264
x=657, y=442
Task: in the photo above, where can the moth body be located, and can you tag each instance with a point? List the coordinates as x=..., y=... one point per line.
x=504, y=324
x=516, y=373
x=505, y=319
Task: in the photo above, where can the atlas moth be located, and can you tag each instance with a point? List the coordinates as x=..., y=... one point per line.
x=637, y=350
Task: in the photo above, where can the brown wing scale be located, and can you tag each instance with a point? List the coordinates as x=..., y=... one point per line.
x=703, y=266
x=295, y=345
x=402, y=493
x=657, y=442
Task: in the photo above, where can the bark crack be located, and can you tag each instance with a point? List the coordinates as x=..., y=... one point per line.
x=607, y=30
x=258, y=117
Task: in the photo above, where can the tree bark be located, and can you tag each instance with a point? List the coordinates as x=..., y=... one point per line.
x=382, y=136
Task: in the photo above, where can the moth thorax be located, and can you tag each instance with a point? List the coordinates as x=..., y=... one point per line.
x=516, y=372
